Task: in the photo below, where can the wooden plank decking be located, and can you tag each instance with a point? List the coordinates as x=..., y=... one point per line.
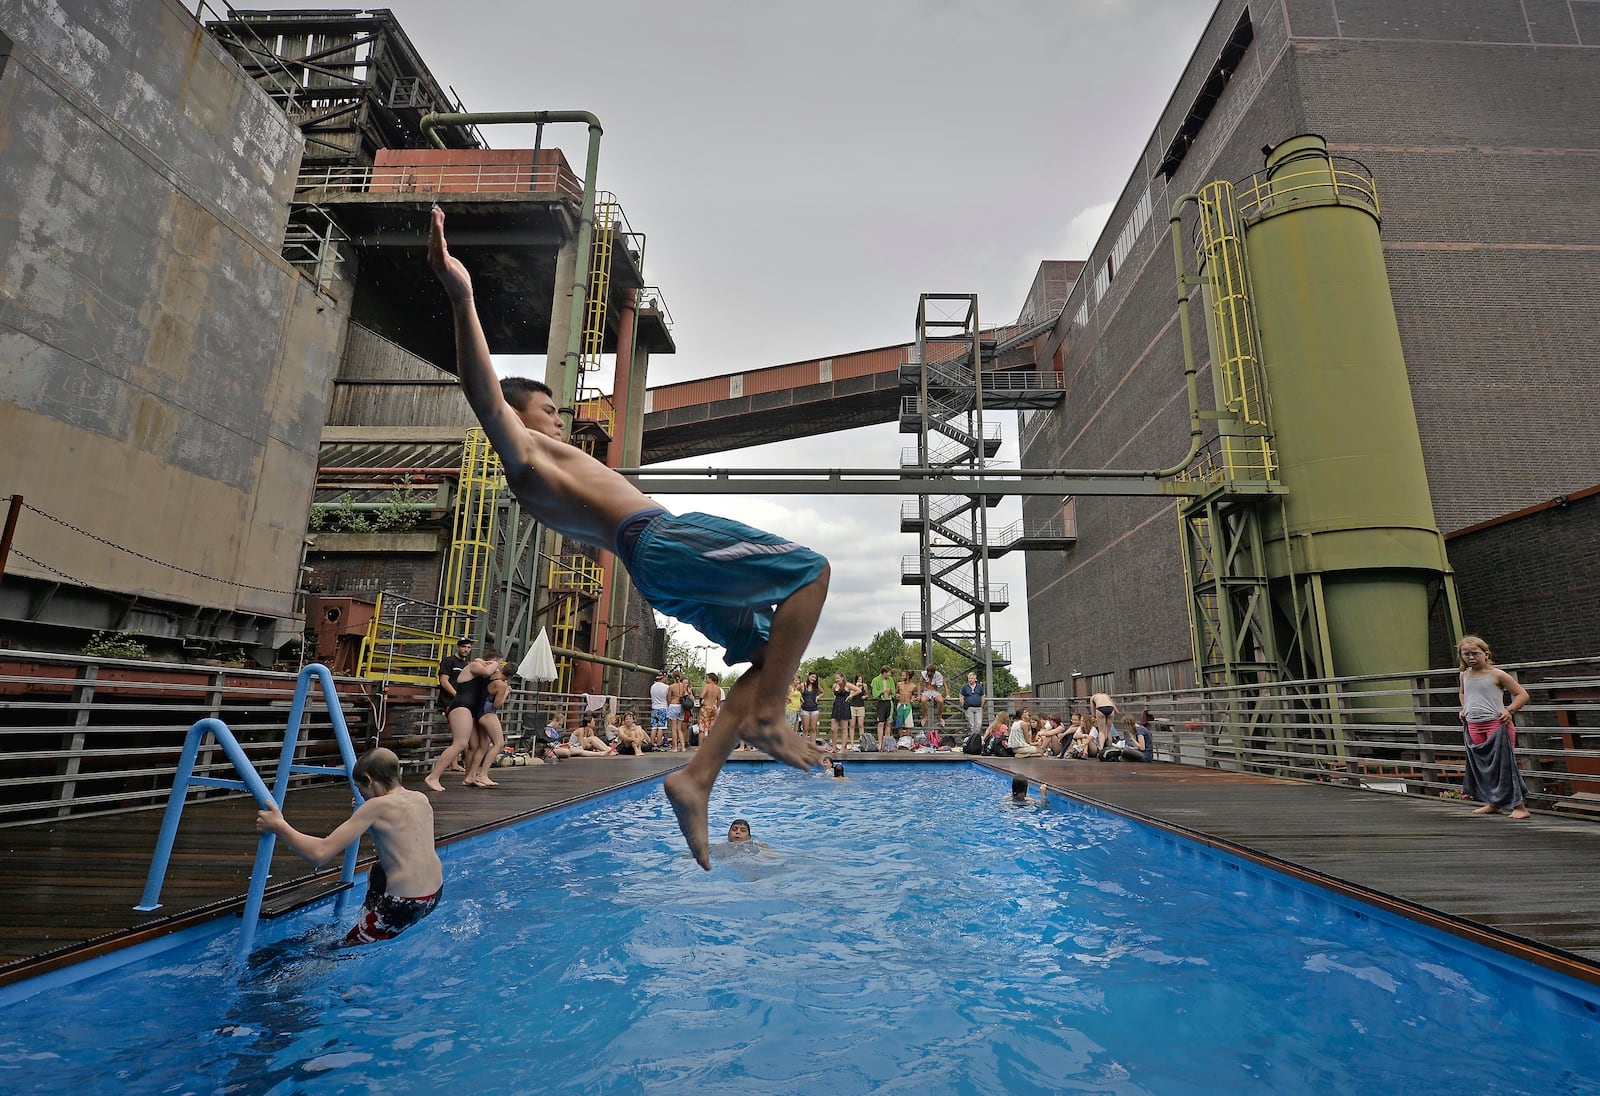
x=70, y=885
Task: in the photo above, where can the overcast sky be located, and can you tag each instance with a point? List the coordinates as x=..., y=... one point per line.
x=803, y=170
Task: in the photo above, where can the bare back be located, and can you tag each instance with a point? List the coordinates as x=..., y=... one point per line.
x=402, y=830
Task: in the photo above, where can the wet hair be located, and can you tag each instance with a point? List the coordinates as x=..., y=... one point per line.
x=379, y=765
x=739, y=822
x=1019, y=787
x=838, y=770
x=1474, y=641
x=519, y=390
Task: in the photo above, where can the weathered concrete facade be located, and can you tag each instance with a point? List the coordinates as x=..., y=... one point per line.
x=163, y=371
x=1478, y=120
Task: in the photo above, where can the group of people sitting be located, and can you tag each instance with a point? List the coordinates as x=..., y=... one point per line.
x=626, y=736
x=1022, y=734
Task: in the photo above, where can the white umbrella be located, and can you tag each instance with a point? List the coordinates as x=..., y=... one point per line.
x=538, y=664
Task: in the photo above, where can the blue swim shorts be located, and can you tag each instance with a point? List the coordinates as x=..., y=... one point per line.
x=658, y=719
x=721, y=577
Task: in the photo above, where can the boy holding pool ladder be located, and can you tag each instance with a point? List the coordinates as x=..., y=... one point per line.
x=755, y=593
x=404, y=885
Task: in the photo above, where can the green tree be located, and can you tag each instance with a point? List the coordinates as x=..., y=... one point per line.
x=888, y=648
x=690, y=659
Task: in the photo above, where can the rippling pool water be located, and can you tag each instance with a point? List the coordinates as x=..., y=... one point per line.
x=907, y=931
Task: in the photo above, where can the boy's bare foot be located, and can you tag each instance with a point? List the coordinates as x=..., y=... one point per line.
x=775, y=740
x=1487, y=808
x=1520, y=813
x=690, y=801
x=433, y=782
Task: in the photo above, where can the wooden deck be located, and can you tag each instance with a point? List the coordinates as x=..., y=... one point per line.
x=1530, y=887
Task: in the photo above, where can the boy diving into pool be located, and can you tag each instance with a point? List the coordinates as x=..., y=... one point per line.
x=404, y=885
x=756, y=594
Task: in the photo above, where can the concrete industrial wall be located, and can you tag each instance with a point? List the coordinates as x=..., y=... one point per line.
x=163, y=372
x=1478, y=120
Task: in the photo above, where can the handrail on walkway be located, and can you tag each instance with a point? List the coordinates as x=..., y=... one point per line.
x=250, y=781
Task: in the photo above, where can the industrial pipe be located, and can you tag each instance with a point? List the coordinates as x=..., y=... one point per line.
x=1189, y=372
x=584, y=656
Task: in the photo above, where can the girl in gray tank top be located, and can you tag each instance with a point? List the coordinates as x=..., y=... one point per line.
x=1491, y=775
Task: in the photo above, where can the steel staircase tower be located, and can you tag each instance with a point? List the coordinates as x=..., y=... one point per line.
x=951, y=392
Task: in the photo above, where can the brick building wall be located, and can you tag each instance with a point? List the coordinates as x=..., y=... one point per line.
x=1482, y=139
x=1530, y=584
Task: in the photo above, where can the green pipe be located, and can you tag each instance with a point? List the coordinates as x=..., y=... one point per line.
x=585, y=656
x=1189, y=372
x=567, y=397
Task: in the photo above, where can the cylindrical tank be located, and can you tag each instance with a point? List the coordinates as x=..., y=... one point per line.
x=1357, y=515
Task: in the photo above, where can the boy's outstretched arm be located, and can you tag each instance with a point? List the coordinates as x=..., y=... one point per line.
x=473, y=363
x=317, y=851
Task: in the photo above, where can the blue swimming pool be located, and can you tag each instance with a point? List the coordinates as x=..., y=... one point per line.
x=907, y=932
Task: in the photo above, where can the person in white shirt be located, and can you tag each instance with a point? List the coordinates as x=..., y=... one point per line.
x=1018, y=738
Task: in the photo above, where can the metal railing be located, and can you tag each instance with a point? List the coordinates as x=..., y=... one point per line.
x=82, y=736
x=405, y=641
x=441, y=179
x=1399, y=734
x=1008, y=380
x=651, y=297
x=1316, y=178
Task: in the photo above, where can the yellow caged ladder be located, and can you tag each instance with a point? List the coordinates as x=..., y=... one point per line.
x=472, y=548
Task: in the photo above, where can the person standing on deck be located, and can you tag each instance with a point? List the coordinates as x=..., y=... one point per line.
x=883, y=693
x=660, y=703
x=1105, y=712
x=449, y=666
x=972, y=695
x=1491, y=775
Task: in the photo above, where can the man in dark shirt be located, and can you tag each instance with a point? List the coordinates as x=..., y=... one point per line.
x=449, y=667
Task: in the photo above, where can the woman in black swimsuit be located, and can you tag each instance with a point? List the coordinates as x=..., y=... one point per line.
x=467, y=707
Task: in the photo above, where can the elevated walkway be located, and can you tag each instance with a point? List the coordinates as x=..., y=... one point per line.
x=820, y=395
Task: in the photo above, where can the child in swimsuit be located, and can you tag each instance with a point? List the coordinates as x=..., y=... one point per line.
x=401, y=824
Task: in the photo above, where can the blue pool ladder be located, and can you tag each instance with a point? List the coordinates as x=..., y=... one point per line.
x=250, y=781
